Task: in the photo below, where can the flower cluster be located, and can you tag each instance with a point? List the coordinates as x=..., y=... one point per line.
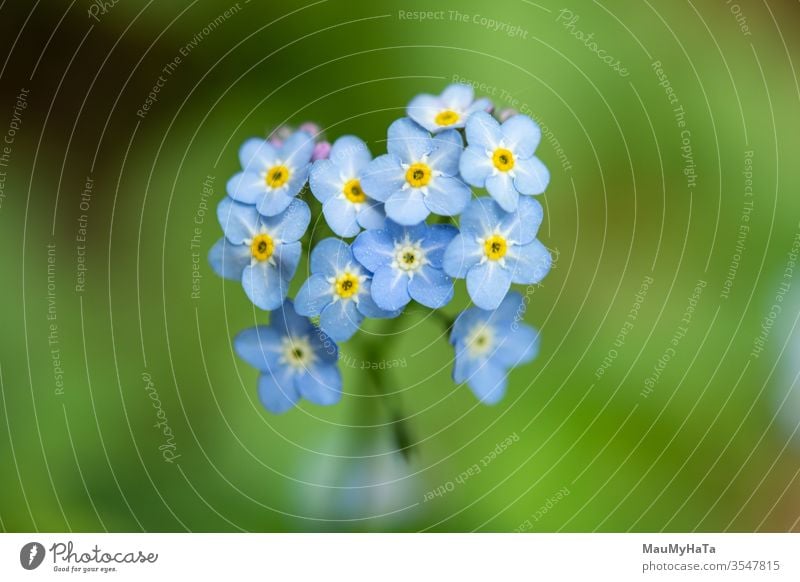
x=415, y=226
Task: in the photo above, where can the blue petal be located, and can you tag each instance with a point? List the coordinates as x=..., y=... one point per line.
x=258, y=346
x=372, y=215
x=324, y=347
x=435, y=241
x=458, y=96
x=399, y=232
x=521, y=135
x=287, y=256
x=482, y=104
x=246, y=187
x=521, y=226
x=325, y=180
x=531, y=176
x=277, y=391
x=264, y=286
x=475, y=166
x=330, y=256
x=297, y=149
x=511, y=309
x=390, y=289
x=519, y=346
x=463, y=253
x=483, y=131
x=342, y=216
x=351, y=155
x=321, y=385
x=368, y=307
x=423, y=109
x=340, y=320
x=240, y=222
x=229, y=260
x=487, y=284
x=256, y=155
x=408, y=140
x=501, y=187
x=447, y=196
x=383, y=177
x=291, y=224
x=407, y=207
x=488, y=382
x=431, y=287
x=444, y=158
x=315, y=294
x=374, y=249
x=288, y=322
x=481, y=217
x=464, y=323
x=274, y=202
x=529, y=263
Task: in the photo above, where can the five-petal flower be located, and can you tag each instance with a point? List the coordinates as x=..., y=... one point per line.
x=336, y=182
x=419, y=175
x=295, y=359
x=272, y=176
x=261, y=252
x=450, y=110
x=407, y=264
x=496, y=248
x=500, y=158
x=338, y=291
x=489, y=343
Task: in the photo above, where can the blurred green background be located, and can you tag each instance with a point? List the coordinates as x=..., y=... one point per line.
x=603, y=437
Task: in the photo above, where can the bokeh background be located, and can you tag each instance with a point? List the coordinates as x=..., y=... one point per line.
x=668, y=425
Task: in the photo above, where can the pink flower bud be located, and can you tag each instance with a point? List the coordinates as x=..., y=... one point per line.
x=321, y=151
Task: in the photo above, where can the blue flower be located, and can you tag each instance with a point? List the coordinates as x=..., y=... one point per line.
x=451, y=109
x=261, y=252
x=295, y=358
x=338, y=291
x=489, y=343
x=407, y=264
x=336, y=182
x=272, y=176
x=500, y=158
x=419, y=175
x=496, y=248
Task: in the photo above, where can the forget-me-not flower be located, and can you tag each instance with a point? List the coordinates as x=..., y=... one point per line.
x=419, y=175
x=338, y=291
x=496, y=248
x=272, y=176
x=295, y=358
x=336, y=182
x=261, y=252
x=500, y=158
x=489, y=343
x=406, y=263
x=450, y=110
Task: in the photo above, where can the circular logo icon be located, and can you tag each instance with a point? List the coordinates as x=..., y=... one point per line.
x=31, y=555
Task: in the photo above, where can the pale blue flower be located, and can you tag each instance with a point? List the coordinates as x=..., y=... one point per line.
x=336, y=182
x=496, y=248
x=489, y=343
x=295, y=358
x=338, y=291
x=450, y=110
x=419, y=175
x=500, y=158
x=407, y=264
x=261, y=252
x=272, y=176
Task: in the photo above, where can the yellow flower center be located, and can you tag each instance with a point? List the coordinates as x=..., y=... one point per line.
x=353, y=192
x=277, y=176
x=495, y=247
x=409, y=257
x=346, y=285
x=262, y=247
x=297, y=352
x=418, y=175
x=503, y=159
x=447, y=117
